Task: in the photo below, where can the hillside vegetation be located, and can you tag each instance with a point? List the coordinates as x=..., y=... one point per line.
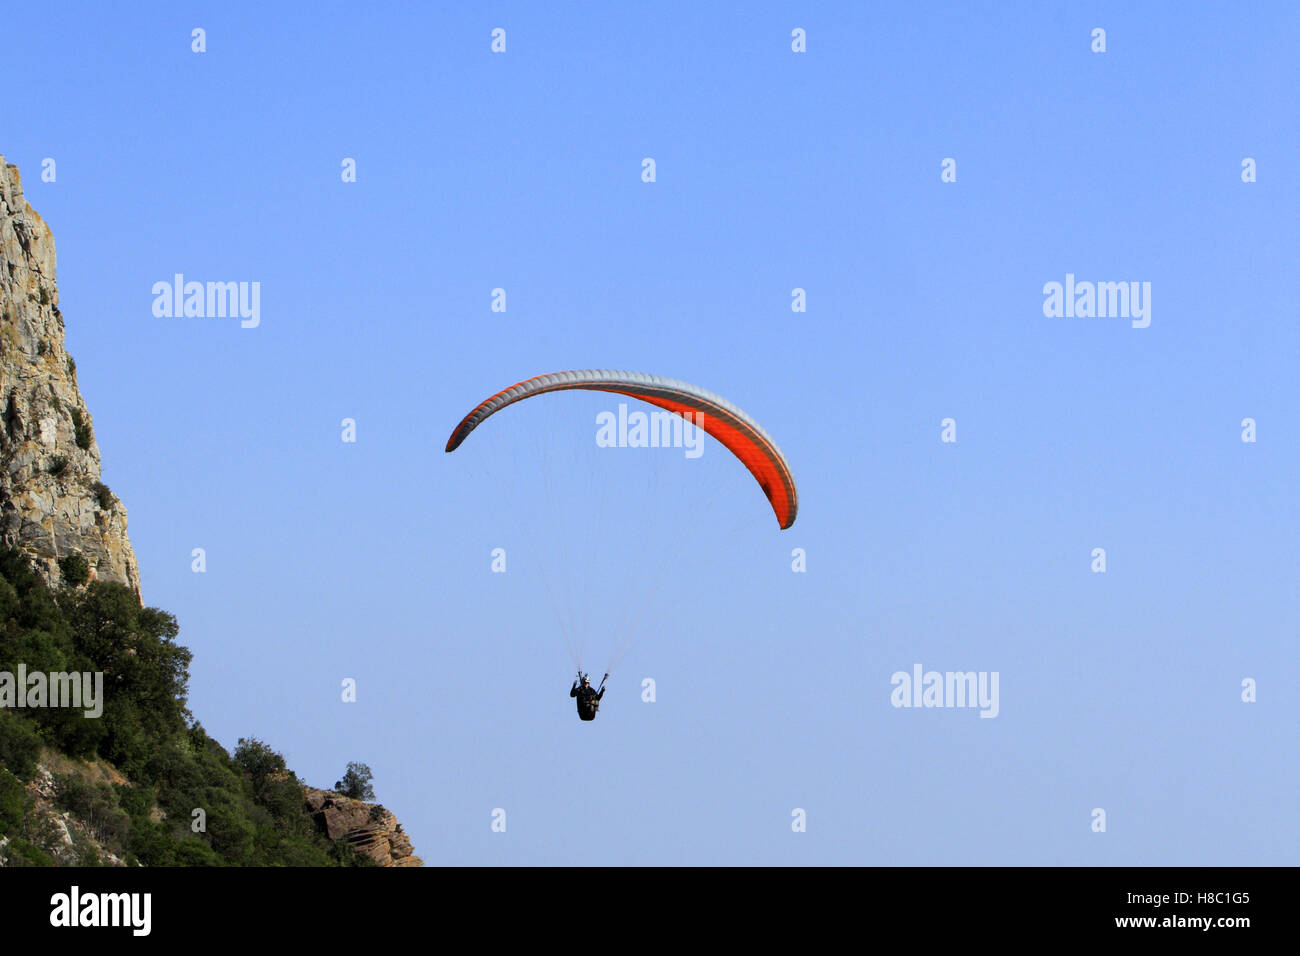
x=125, y=787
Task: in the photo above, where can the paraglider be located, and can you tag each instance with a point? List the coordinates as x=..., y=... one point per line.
x=588, y=699
x=737, y=432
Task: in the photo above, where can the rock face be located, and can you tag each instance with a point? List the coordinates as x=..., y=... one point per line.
x=52, y=503
x=368, y=828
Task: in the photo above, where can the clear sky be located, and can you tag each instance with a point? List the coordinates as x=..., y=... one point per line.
x=775, y=171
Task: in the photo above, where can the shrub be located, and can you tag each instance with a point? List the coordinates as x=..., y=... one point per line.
x=82, y=429
x=58, y=465
x=22, y=853
x=75, y=569
x=20, y=747
x=96, y=806
x=14, y=802
x=103, y=495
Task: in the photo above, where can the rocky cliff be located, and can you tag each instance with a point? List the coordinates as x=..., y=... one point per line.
x=368, y=828
x=52, y=502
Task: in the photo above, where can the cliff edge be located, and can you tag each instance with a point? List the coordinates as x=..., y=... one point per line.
x=52, y=502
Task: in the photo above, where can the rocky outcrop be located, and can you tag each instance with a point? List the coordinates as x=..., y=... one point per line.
x=368, y=828
x=52, y=502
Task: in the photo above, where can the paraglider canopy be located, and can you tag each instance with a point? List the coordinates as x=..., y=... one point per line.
x=739, y=433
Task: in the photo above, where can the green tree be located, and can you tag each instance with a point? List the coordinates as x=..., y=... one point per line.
x=356, y=782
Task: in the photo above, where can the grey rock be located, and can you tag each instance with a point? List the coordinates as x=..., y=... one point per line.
x=51, y=500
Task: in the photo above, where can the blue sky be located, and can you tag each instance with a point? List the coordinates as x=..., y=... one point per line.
x=774, y=170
